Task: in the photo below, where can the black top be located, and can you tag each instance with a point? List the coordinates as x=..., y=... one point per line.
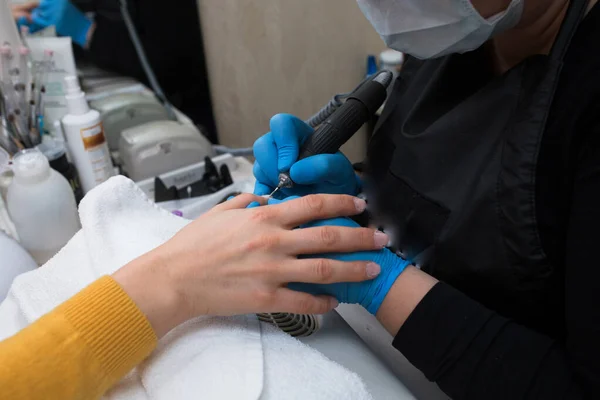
x=475, y=353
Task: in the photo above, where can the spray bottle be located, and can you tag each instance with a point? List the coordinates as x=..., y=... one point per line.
x=85, y=138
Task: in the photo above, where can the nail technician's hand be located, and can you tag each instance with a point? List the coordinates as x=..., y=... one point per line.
x=369, y=293
x=67, y=19
x=277, y=151
x=234, y=260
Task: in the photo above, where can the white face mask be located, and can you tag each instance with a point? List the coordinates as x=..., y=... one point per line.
x=434, y=28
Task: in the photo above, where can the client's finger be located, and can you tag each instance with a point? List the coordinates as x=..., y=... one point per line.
x=327, y=271
x=240, y=201
x=332, y=239
x=317, y=206
x=273, y=201
x=303, y=303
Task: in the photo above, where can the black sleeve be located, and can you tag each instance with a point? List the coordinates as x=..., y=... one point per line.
x=474, y=353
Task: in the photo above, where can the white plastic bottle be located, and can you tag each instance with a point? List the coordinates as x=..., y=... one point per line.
x=41, y=205
x=85, y=138
x=15, y=261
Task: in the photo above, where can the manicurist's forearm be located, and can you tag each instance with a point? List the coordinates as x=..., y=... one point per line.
x=470, y=351
x=408, y=291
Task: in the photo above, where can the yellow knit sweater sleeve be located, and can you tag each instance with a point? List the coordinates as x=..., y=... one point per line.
x=79, y=350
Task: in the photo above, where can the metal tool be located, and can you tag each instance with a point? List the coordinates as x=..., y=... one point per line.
x=336, y=130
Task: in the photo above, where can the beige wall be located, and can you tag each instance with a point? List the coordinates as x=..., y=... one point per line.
x=271, y=56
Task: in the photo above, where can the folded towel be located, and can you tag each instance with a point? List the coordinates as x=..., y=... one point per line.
x=211, y=358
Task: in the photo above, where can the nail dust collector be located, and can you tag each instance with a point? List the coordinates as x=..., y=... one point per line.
x=122, y=111
x=158, y=147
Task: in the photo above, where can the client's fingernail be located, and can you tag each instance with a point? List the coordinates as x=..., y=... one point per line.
x=334, y=303
x=373, y=270
x=361, y=205
x=381, y=239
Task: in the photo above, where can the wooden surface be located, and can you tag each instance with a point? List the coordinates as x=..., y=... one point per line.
x=286, y=56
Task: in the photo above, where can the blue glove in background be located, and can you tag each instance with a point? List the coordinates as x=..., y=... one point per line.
x=369, y=294
x=277, y=151
x=67, y=18
x=22, y=21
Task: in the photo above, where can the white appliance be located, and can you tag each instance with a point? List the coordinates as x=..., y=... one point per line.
x=123, y=102
x=241, y=173
x=157, y=147
x=122, y=111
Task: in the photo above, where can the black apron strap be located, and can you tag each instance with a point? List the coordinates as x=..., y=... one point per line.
x=575, y=14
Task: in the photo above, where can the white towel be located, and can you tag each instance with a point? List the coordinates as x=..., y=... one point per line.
x=208, y=358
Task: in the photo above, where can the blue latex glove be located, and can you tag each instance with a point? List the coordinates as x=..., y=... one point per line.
x=369, y=294
x=278, y=150
x=67, y=18
x=23, y=21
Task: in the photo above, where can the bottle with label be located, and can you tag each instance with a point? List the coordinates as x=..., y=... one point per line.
x=85, y=138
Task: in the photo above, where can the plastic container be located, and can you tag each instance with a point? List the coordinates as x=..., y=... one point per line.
x=391, y=60
x=56, y=152
x=85, y=138
x=15, y=261
x=42, y=206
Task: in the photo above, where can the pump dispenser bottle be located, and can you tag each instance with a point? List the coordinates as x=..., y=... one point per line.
x=41, y=205
x=85, y=138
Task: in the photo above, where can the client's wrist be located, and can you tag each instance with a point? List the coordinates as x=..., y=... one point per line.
x=146, y=282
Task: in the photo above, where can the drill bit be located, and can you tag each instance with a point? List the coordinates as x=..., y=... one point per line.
x=275, y=191
x=284, y=182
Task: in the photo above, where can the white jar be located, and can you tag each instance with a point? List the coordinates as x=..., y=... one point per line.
x=41, y=205
x=14, y=262
x=391, y=60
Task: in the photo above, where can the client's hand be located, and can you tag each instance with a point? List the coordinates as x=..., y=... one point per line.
x=371, y=293
x=234, y=260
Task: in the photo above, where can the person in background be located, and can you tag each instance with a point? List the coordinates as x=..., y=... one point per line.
x=22, y=11
x=178, y=64
x=232, y=260
x=485, y=171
